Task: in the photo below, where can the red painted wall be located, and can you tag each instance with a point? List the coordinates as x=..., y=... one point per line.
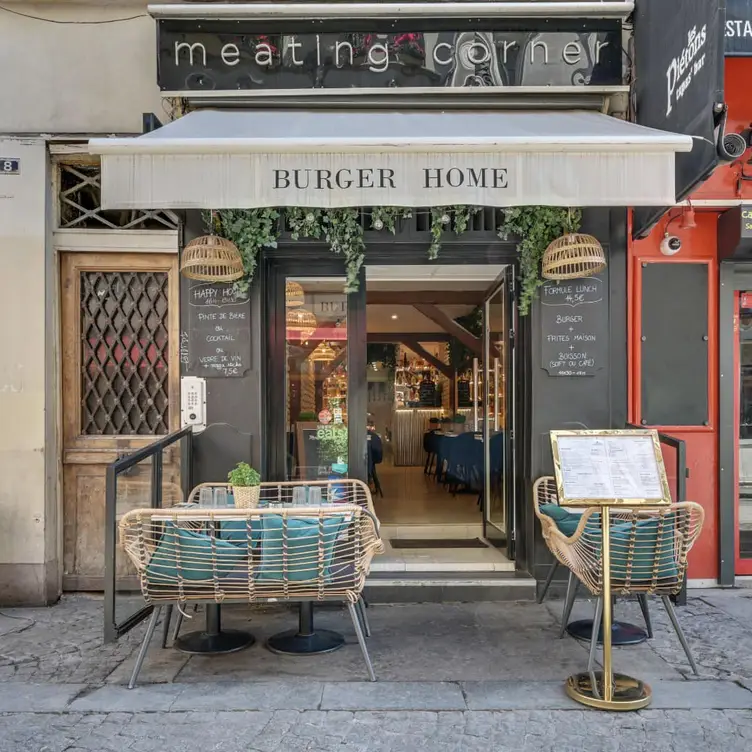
x=698, y=245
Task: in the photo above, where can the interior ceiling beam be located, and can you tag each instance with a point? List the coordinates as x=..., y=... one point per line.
x=449, y=325
x=418, y=349
x=430, y=297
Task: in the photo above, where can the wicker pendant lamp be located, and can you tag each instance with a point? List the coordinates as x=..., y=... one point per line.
x=572, y=256
x=294, y=294
x=323, y=353
x=301, y=323
x=211, y=258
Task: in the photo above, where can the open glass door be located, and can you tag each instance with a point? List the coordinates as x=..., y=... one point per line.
x=498, y=412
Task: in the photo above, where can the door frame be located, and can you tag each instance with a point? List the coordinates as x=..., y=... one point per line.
x=506, y=281
x=735, y=277
x=274, y=452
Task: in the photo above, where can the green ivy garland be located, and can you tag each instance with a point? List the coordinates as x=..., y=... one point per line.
x=535, y=227
x=386, y=217
x=445, y=217
x=250, y=230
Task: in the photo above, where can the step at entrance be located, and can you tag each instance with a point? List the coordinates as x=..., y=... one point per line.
x=448, y=587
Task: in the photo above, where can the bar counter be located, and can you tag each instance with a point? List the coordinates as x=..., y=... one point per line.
x=409, y=425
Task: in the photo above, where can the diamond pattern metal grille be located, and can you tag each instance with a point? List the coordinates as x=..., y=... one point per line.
x=80, y=205
x=124, y=353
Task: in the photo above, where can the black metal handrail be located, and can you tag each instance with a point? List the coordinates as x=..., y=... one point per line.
x=682, y=473
x=155, y=452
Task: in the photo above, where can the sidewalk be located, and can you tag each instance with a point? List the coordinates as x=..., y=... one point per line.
x=451, y=677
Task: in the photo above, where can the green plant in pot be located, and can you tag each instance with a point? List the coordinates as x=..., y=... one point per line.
x=246, y=485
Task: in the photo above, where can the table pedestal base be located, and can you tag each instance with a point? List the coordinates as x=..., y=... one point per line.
x=628, y=693
x=204, y=643
x=214, y=640
x=621, y=633
x=305, y=640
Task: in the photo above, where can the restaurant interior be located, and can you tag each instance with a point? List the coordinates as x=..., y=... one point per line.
x=424, y=375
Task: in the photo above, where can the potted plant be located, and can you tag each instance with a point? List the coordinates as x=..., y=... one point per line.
x=246, y=485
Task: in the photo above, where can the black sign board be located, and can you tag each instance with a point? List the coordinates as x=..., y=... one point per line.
x=266, y=57
x=678, y=61
x=746, y=229
x=738, y=28
x=463, y=393
x=574, y=327
x=219, y=331
x=427, y=393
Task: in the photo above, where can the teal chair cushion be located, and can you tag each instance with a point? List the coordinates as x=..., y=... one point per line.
x=566, y=521
x=648, y=545
x=302, y=547
x=236, y=531
x=189, y=554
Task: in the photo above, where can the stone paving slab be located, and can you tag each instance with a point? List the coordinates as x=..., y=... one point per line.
x=432, y=696
x=37, y=698
x=347, y=696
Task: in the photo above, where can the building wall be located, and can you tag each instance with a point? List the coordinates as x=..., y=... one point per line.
x=77, y=78
x=28, y=535
x=59, y=79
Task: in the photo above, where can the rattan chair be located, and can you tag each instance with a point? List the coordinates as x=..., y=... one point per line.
x=351, y=492
x=282, y=553
x=545, y=493
x=649, y=551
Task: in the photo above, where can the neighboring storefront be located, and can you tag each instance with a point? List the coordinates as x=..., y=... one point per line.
x=370, y=105
x=710, y=277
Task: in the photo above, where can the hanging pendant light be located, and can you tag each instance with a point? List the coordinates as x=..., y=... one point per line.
x=323, y=353
x=211, y=258
x=300, y=322
x=294, y=294
x=572, y=256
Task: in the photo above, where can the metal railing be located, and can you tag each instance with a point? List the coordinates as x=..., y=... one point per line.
x=145, y=467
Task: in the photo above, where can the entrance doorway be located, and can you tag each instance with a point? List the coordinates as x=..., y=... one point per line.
x=406, y=383
x=440, y=413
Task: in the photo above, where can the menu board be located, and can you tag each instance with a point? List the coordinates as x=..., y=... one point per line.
x=427, y=394
x=574, y=327
x=463, y=393
x=609, y=467
x=219, y=331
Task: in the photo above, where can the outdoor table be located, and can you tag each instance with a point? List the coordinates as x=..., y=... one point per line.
x=212, y=640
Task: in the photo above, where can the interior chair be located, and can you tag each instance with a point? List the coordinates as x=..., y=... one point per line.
x=649, y=554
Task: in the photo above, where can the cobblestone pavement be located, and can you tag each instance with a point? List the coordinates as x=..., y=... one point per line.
x=316, y=731
x=489, y=676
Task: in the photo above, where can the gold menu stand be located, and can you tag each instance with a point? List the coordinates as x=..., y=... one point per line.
x=640, y=460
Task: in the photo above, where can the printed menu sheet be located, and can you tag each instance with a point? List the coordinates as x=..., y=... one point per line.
x=609, y=467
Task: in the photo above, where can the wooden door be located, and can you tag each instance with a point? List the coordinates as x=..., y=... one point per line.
x=120, y=382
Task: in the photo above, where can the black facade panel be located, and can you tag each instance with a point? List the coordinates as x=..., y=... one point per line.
x=233, y=415
x=578, y=402
x=674, y=375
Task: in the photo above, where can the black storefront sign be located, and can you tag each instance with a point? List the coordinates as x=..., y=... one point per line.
x=255, y=57
x=738, y=28
x=574, y=327
x=679, y=79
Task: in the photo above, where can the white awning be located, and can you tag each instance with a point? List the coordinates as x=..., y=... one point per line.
x=241, y=159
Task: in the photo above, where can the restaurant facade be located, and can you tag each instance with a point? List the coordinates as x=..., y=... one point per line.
x=343, y=145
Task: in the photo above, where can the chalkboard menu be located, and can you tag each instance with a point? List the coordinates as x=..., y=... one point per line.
x=427, y=393
x=218, y=341
x=574, y=327
x=463, y=393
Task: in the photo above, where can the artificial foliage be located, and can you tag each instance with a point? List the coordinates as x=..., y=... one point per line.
x=535, y=228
